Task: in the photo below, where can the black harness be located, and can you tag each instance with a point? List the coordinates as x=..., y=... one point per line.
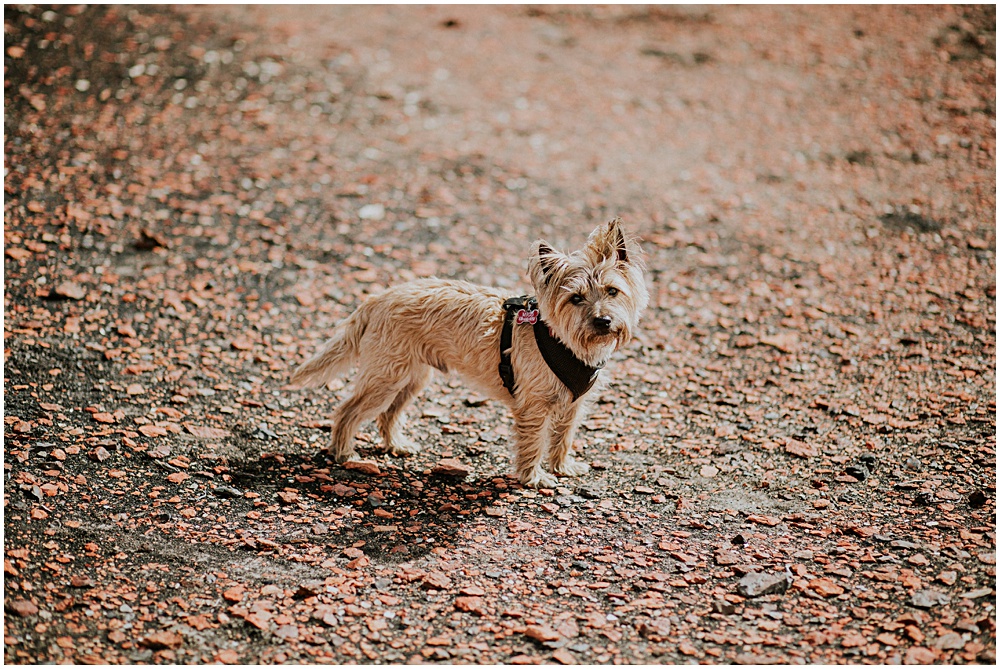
x=576, y=375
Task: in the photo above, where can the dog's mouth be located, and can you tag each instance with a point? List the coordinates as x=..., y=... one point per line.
x=604, y=332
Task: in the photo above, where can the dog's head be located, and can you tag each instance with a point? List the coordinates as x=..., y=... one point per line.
x=592, y=299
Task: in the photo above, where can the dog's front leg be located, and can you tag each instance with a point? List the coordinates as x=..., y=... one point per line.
x=531, y=429
x=564, y=422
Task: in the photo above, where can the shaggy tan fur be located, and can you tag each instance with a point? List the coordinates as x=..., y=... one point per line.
x=591, y=300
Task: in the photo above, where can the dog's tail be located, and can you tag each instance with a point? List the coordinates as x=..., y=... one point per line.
x=336, y=356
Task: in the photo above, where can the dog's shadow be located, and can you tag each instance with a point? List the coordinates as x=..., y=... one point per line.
x=398, y=514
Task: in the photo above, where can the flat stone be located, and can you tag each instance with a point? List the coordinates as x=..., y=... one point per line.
x=919, y=655
x=363, y=466
x=471, y=604
x=23, y=608
x=800, y=448
x=929, y=598
x=435, y=581
x=162, y=639
x=826, y=587
x=723, y=607
x=541, y=633
x=949, y=641
x=656, y=629
x=724, y=558
x=451, y=467
x=73, y=291
x=759, y=584
x=563, y=656
x=227, y=491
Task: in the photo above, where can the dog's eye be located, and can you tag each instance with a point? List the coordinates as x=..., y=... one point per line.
x=576, y=299
x=612, y=292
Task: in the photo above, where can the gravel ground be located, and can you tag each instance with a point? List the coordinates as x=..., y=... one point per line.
x=795, y=461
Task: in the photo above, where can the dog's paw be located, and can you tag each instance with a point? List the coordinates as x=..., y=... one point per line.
x=404, y=447
x=571, y=467
x=339, y=458
x=539, y=478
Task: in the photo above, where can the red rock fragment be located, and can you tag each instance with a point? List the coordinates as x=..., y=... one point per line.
x=541, y=633
x=287, y=632
x=800, y=448
x=471, y=605
x=725, y=558
x=826, y=587
x=563, y=656
x=451, y=467
x=786, y=342
x=159, y=451
x=359, y=562
x=153, y=430
x=204, y=432
x=919, y=655
x=241, y=344
x=435, y=580
x=71, y=290
x=288, y=496
x=17, y=253
x=162, y=639
x=228, y=656
x=363, y=466
x=234, y=594
x=22, y=607
x=687, y=649
x=656, y=629
x=258, y=619
x=198, y=622
x=100, y=454
x=853, y=639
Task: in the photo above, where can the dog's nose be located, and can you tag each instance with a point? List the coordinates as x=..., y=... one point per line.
x=602, y=322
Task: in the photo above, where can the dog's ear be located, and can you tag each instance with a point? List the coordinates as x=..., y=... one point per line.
x=618, y=239
x=609, y=241
x=547, y=258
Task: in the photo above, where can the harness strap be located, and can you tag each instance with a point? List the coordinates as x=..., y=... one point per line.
x=511, y=307
x=576, y=375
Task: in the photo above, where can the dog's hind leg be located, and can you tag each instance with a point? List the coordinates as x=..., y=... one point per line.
x=564, y=422
x=375, y=391
x=391, y=421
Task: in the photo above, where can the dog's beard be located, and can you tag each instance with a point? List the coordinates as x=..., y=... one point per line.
x=590, y=345
x=608, y=262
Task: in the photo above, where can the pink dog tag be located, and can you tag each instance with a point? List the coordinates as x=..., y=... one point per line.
x=524, y=316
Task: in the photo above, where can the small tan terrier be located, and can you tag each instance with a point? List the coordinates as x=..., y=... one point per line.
x=540, y=355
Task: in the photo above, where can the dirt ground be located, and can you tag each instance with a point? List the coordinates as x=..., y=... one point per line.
x=794, y=462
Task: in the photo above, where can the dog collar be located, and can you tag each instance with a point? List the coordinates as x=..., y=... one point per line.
x=576, y=375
